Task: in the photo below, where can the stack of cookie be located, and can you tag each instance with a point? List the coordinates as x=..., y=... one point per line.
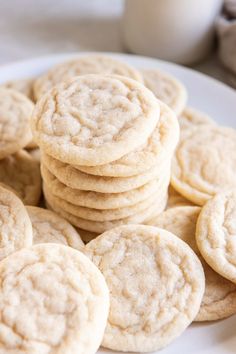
x=107, y=145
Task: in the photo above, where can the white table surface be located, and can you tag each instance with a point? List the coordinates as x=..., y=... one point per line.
x=30, y=28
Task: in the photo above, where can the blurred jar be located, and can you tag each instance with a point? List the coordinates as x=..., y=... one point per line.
x=176, y=30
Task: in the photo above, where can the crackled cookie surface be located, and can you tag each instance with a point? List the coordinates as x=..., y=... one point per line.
x=191, y=118
x=166, y=88
x=99, y=200
x=200, y=170
x=15, y=113
x=22, y=173
x=15, y=226
x=93, y=120
x=92, y=64
x=151, y=303
x=159, y=147
x=76, y=179
x=61, y=296
x=219, y=300
x=49, y=227
x=216, y=234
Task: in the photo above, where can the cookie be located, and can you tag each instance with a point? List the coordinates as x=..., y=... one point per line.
x=192, y=118
x=99, y=200
x=15, y=228
x=76, y=179
x=215, y=234
x=91, y=64
x=98, y=227
x=24, y=86
x=22, y=173
x=175, y=199
x=36, y=154
x=159, y=147
x=61, y=296
x=98, y=214
x=15, y=113
x=166, y=88
x=49, y=227
x=156, y=285
x=200, y=170
x=93, y=120
x=219, y=300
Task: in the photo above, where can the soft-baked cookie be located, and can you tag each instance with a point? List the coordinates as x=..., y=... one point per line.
x=90, y=64
x=76, y=179
x=158, y=148
x=22, y=173
x=15, y=113
x=52, y=298
x=98, y=226
x=216, y=234
x=205, y=163
x=93, y=120
x=96, y=200
x=15, y=227
x=156, y=285
x=219, y=300
x=49, y=227
x=166, y=88
x=175, y=199
x=24, y=86
x=98, y=214
x=192, y=118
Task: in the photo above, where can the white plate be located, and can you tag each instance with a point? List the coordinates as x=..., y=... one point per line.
x=208, y=95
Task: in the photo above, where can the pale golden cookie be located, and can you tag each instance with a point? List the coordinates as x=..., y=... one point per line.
x=15, y=227
x=24, y=86
x=175, y=199
x=192, y=118
x=91, y=64
x=98, y=227
x=166, y=88
x=93, y=120
x=219, y=300
x=22, y=173
x=76, y=179
x=51, y=228
x=156, y=285
x=52, y=298
x=216, y=234
x=205, y=163
x=159, y=147
x=15, y=113
x=98, y=214
x=99, y=200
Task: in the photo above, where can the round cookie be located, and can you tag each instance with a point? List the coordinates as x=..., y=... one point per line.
x=166, y=88
x=49, y=227
x=15, y=228
x=91, y=64
x=76, y=179
x=159, y=147
x=192, y=118
x=60, y=294
x=200, y=170
x=24, y=86
x=93, y=120
x=219, y=300
x=99, y=200
x=15, y=113
x=175, y=199
x=156, y=285
x=215, y=234
x=98, y=227
x=98, y=214
x=22, y=173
